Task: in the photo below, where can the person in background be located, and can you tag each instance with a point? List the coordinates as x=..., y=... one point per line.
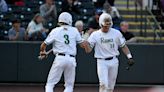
x=124, y=27
x=111, y=10
x=72, y=7
x=16, y=33
x=99, y=3
x=3, y=6
x=48, y=10
x=35, y=29
x=116, y=18
x=1, y=31
x=93, y=23
x=80, y=25
x=162, y=5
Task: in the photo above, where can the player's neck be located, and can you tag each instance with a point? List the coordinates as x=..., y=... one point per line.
x=105, y=30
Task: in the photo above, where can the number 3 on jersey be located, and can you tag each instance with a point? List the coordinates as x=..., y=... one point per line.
x=66, y=37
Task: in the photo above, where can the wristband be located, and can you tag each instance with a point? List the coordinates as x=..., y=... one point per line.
x=129, y=56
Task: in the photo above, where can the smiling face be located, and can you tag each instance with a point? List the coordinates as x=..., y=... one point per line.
x=105, y=28
x=106, y=25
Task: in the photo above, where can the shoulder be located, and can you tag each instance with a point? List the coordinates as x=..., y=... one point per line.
x=96, y=32
x=54, y=30
x=43, y=6
x=11, y=30
x=31, y=23
x=129, y=33
x=74, y=28
x=115, y=31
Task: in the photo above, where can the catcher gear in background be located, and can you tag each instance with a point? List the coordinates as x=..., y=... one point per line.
x=105, y=20
x=65, y=17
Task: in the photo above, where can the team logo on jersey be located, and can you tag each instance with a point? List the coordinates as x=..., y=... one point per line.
x=103, y=40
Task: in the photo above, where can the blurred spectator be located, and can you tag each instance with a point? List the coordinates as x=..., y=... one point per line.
x=80, y=25
x=3, y=6
x=124, y=27
x=19, y=3
x=116, y=18
x=111, y=10
x=162, y=4
x=71, y=6
x=100, y=3
x=48, y=10
x=35, y=29
x=16, y=2
x=93, y=22
x=1, y=31
x=16, y=32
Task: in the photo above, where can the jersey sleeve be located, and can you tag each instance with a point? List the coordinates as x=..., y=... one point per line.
x=121, y=40
x=92, y=40
x=50, y=38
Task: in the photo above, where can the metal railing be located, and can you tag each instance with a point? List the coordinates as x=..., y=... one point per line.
x=144, y=24
x=156, y=26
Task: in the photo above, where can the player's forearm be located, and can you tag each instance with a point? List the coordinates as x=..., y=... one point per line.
x=88, y=49
x=43, y=47
x=126, y=51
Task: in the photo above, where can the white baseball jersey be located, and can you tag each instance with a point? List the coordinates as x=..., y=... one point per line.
x=106, y=44
x=64, y=39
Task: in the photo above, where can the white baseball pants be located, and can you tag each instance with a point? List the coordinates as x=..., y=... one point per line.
x=62, y=64
x=107, y=71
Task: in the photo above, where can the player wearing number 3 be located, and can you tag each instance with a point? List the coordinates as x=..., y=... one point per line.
x=106, y=42
x=64, y=40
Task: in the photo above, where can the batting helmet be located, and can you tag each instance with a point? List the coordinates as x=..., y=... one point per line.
x=105, y=20
x=65, y=17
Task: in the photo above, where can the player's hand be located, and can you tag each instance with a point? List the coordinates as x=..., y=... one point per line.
x=43, y=54
x=84, y=44
x=131, y=62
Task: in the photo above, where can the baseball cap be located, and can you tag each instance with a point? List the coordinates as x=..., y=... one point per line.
x=98, y=11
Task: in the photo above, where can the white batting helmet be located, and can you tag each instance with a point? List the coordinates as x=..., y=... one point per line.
x=65, y=17
x=105, y=20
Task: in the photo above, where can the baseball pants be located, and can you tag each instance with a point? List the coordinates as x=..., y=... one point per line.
x=62, y=64
x=107, y=71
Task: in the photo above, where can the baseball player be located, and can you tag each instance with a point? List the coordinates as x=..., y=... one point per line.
x=106, y=42
x=64, y=40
